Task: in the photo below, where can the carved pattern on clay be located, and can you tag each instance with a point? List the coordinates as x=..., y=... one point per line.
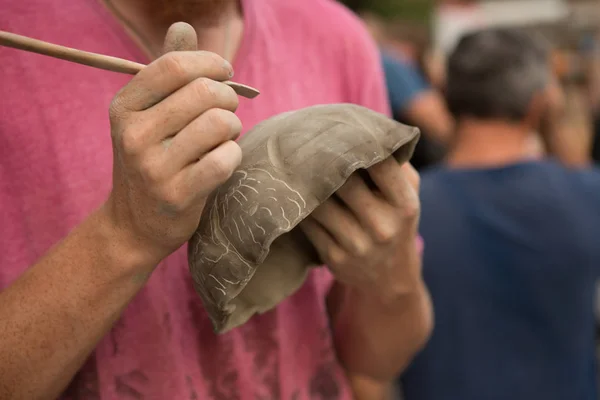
x=231, y=230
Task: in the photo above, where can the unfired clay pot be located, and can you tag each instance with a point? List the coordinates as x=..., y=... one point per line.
x=247, y=254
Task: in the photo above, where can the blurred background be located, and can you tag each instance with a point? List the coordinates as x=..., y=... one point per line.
x=421, y=33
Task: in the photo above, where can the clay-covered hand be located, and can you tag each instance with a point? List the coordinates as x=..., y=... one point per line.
x=173, y=130
x=368, y=237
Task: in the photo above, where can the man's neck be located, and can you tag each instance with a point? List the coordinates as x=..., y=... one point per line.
x=220, y=31
x=492, y=144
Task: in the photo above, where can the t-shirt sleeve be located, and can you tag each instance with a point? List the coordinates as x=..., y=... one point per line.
x=404, y=82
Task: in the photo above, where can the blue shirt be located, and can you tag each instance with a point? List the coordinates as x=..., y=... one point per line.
x=404, y=82
x=511, y=258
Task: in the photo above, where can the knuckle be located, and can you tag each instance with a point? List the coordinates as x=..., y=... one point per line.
x=236, y=156
x=411, y=209
x=360, y=247
x=223, y=122
x=213, y=59
x=150, y=170
x=385, y=232
x=174, y=197
x=412, y=175
x=218, y=119
x=171, y=202
x=336, y=256
x=416, y=181
x=132, y=142
x=217, y=94
x=232, y=100
x=205, y=89
x=220, y=169
x=173, y=64
x=215, y=65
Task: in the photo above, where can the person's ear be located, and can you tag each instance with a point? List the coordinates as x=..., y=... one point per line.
x=537, y=110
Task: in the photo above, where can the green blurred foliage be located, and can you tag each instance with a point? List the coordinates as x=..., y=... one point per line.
x=417, y=10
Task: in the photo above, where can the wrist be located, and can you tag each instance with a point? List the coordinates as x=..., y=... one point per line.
x=364, y=388
x=378, y=339
x=389, y=299
x=406, y=281
x=126, y=251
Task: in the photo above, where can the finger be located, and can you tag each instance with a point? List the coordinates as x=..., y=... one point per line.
x=343, y=226
x=202, y=135
x=166, y=75
x=214, y=168
x=174, y=113
x=181, y=36
x=400, y=186
x=373, y=211
x=328, y=249
x=394, y=180
x=412, y=175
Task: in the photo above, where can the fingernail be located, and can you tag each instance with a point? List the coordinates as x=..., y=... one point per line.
x=227, y=65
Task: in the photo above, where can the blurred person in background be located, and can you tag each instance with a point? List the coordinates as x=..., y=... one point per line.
x=415, y=102
x=413, y=99
x=96, y=300
x=512, y=255
x=590, y=49
x=570, y=136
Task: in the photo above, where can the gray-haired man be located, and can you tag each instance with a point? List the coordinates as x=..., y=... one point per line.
x=512, y=252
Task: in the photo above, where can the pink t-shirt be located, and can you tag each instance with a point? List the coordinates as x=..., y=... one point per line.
x=55, y=168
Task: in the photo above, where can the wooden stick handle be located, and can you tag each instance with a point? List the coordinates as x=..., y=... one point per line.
x=95, y=60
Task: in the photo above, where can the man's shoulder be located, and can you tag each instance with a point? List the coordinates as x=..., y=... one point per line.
x=589, y=175
x=575, y=179
x=431, y=175
x=527, y=179
x=313, y=12
x=328, y=43
x=587, y=179
x=325, y=21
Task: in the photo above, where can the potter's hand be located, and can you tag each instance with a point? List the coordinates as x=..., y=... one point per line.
x=368, y=237
x=173, y=131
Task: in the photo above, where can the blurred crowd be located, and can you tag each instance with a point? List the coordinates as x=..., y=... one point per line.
x=414, y=60
x=510, y=194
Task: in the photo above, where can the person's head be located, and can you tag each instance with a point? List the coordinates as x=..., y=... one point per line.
x=500, y=75
x=408, y=37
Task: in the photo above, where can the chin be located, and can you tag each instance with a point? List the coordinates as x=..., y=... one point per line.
x=190, y=11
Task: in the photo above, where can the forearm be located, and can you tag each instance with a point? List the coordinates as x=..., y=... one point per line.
x=428, y=112
x=568, y=134
x=377, y=341
x=54, y=315
x=569, y=143
x=364, y=388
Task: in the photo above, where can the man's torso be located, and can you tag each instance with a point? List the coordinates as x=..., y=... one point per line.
x=511, y=260
x=56, y=168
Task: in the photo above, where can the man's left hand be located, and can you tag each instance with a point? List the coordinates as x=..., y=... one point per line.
x=368, y=237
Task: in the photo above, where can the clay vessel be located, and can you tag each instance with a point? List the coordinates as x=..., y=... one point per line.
x=247, y=254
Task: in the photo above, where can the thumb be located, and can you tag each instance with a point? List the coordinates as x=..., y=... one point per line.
x=181, y=36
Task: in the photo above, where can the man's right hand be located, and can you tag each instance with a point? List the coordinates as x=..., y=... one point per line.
x=173, y=130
